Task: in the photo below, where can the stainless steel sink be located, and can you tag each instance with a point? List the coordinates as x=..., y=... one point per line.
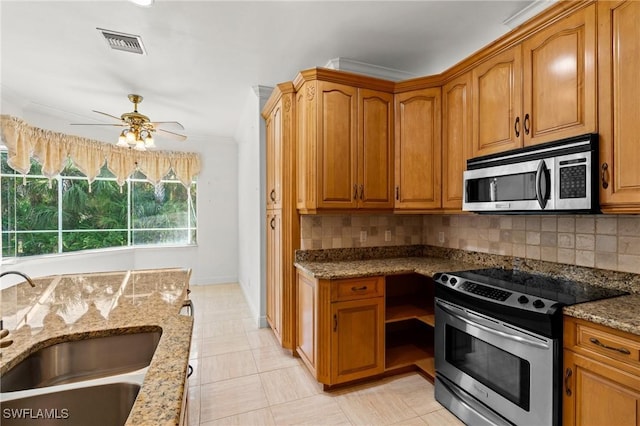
x=80, y=360
x=107, y=405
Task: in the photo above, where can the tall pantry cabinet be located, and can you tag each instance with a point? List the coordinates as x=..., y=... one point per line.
x=283, y=224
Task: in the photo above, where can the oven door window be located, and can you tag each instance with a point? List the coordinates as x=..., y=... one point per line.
x=514, y=187
x=495, y=368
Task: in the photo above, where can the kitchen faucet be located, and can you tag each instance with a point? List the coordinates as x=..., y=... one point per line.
x=4, y=333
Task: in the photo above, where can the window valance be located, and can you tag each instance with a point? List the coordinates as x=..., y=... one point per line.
x=53, y=149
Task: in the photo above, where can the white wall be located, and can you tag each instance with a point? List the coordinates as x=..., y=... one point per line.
x=213, y=260
x=250, y=137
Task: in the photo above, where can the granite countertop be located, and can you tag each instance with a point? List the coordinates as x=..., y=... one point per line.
x=620, y=313
x=73, y=307
x=331, y=270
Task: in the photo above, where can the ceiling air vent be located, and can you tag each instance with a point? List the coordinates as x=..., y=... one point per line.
x=121, y=41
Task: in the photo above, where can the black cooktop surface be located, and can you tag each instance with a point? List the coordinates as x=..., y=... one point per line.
x=565, y=291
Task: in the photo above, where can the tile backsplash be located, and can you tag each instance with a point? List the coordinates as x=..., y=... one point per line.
x=602, y=241
x=345, y=231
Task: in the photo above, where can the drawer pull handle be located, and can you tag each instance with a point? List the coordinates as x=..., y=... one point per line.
x=567, y=384
x=335, y=322
x=272, y=195
x=363, y=288
x=602, y=345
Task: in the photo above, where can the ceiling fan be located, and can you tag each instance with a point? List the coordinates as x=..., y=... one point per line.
x=138, y=127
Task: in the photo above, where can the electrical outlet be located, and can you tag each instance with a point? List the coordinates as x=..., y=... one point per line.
x=387, y=235
x=363, y=236
x=441, y=237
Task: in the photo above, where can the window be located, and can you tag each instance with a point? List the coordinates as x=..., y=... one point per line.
x=65, y=214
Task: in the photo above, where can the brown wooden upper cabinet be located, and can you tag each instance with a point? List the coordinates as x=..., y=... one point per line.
x=418, y=146
x=619, y=105
x=344, y=137
x=539, y=90
x=457, y=126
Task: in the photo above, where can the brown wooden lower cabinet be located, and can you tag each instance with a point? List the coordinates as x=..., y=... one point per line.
x=601, y=375
x=357, y=328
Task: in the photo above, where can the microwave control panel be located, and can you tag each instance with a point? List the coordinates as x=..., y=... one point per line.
x=573, y=178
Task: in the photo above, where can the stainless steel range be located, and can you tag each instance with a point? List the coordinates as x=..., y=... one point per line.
x=498, y=344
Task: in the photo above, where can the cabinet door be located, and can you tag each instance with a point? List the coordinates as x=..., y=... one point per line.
x=497, y=103
x=357, y=341
x=375, y=149
x=274, y=157
x=559, y=79
x=337, y=146
x=619, y=109
x=598, y=395
x=418, y=146
x=307, y=318
x=274, y=271
x=456, y=139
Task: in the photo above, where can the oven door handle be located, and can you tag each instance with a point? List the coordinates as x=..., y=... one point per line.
x=490, y=330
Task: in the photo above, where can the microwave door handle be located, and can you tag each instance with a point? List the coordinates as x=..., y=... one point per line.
x=542, y=184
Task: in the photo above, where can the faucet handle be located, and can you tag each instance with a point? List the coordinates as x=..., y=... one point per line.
x=4, y=333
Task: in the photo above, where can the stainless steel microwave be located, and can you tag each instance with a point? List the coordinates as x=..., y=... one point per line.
x=554, y=177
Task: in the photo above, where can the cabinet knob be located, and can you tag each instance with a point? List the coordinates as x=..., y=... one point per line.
x=516, y=127
x=604, y=177
x=397, y=192
x=527, y=124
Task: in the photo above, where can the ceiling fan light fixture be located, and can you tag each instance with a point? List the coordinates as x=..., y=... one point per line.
x=139, y=145
x=143, y=3
x=130, y=137
x=149, y=142
x=122, y=140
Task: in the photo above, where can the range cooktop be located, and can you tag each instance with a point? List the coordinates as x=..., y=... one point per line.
x=523, y=290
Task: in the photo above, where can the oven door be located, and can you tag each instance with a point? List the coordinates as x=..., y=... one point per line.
x=505, y=368
x=524, y=186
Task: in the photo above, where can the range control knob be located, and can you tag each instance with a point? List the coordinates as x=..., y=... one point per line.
x=538, y=303
x=453, y=281
x=436, y=277
x=523, y=299
x=444, y=278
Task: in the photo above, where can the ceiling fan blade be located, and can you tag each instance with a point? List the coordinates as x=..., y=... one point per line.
x=161, y=123
x=108, y=115
x=97, y=124
x=174, y=135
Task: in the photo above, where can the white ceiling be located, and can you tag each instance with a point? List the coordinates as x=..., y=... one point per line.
x=204, y=56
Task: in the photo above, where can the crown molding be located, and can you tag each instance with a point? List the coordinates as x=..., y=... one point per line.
x=351, y=65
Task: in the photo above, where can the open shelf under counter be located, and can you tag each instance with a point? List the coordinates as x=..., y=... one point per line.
x=401, y=309
x=409, y=343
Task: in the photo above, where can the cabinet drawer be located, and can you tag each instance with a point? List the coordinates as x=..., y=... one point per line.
x=608, y=344
x=616, y=345
x=357, y=288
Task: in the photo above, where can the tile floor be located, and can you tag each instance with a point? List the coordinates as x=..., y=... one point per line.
x=242, y=377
